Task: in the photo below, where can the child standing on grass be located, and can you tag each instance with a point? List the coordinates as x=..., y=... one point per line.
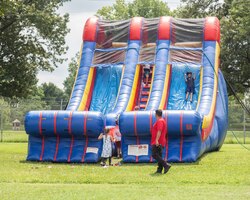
x=107, y=147
x=117, y=137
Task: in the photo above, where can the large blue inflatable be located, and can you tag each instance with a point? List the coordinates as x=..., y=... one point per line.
x=113, y=84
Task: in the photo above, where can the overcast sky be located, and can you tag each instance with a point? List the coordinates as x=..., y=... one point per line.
x=79, y=11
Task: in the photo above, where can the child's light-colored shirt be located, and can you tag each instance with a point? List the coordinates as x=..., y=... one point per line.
x=117, y=134
x=147, y=66
x=107, y=146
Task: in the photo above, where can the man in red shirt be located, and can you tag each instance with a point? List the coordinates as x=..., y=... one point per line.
x=158, y=141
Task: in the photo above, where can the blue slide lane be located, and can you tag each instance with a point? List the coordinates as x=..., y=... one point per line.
x=106, y=88
x=131, y=61
x=161, y=61
x=177, y=94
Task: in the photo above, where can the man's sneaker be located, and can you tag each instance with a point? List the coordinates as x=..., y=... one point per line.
x=167, y=168
x=158, y=172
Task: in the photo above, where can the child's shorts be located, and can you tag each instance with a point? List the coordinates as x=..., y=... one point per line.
x=146, y=72
x=190, y=90
x=118, y=144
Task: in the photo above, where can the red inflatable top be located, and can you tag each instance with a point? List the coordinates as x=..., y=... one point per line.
x=136, y=28
x=212, y=29
x=164, y=28
x=89, y=33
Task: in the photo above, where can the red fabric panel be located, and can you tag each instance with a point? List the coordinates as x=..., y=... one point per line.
x=135, y=28
x=137, y=138
x=212, y=29
x=71, y=147
x=87, y=140
x=42, y=151
x=89, y=33
x=85, y=149
x=57, y=145
x=164, y=28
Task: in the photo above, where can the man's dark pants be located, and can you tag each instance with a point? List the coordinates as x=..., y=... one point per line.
x=157, y=155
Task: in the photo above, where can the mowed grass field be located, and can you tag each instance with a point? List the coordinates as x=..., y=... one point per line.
x=218, y=175
x=21, y=136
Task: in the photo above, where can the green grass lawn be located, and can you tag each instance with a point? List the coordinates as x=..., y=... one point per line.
x=14, y=136
x=21, y=136
x=219, y=175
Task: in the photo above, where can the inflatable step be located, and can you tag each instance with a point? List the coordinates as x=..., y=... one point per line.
x=144, y=99
x=142, y=106
x=149, y=81
x=146, y=86
x=145, y=93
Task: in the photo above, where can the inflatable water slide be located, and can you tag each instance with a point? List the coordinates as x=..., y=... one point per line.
x=110, y=84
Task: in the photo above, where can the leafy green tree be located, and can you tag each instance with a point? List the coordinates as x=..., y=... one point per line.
x=202, y=8
x=45, y=97
x=235, y=45
x=235, y=111
x=146, y=8
x=31, y=39
x=53, y=96
x=234, y=16
x=4, y=110
x=19, y=107
x=25, y=105
x=69, y=81
x=237, y=117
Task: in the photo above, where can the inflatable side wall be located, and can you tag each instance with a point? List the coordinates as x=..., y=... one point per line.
x=64, y=136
